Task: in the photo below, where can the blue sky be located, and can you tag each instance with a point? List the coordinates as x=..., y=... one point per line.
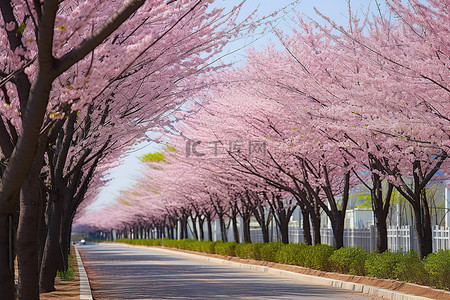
x=125, y=175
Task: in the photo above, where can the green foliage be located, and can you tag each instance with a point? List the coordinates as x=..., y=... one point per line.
x=382, y=265
x=316, y=257
x=410, y=269
x=152, y=157
x=208, y=246
x=249, y=250
x=242, y=250
x=21, y=29
x=438, y=266
x=68, y=275
x=349, y=260
x=226, y=249
x=292, y=254
x=269, y=251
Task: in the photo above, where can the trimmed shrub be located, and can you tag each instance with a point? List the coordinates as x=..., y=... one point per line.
x=438, y=266
x=226, y=249
x=316, y=257
x=208, y=247
x=269, y=251
x=349, y=260
x=382, y=265
x=242, y=250
x=292, y=254
x=410, y=269
x=249, y=250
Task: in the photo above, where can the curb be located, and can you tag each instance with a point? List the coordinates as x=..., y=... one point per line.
x=355, y=287
x=85, y=287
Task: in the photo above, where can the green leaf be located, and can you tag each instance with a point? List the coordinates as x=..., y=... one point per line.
x=21, y=29
x=149, y=157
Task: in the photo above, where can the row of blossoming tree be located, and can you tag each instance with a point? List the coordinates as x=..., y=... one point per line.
x=80, y=83
x=303, y=123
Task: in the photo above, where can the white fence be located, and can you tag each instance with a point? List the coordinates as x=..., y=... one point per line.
x=399, y=238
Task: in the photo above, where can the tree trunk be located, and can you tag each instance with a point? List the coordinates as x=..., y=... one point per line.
x=194, y=227
x=315, y=221
x=265, y=233
x=381, y=226
x=235, y=229
x=380, y=206
x=42, y=232
x=201, y=221
x=65, y=234
x=52, y=259
x=28, y=232
x=246, y=230
x=306, y=227
x=223, y=229
x=185, y=228
x=423, y=228
x=7, y=233
x=209, y=221
x=337, y=224
x=284, y=230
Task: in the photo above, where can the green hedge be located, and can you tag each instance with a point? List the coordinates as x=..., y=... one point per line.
x=438, y=267
x=349, y=260
x=434, y=270
x=226, y=249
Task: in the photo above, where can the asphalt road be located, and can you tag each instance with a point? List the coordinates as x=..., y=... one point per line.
x=121, y=272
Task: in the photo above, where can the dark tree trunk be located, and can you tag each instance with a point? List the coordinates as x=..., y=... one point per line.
x=265, y=233
x=235, y=230
x=52, y=258
x=27, y=247
x=201, y=221
x=284, y=230
x=416, y=195
x=315, y=221
x=42, y=232
x=282, y=214
x=263, y=221
x=335, y=213
x=182, y=229
x=7, y=234
x=66, y=232
x=306, y=227
x=185, y=228
x=209, y=222
x=337, y=225
x=194, y=227
x=380, y=204
x=246, y=230
x=381, y=234
x=423, y=228
x=223, y=229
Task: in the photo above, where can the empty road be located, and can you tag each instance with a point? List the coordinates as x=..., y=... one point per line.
x=121, y=272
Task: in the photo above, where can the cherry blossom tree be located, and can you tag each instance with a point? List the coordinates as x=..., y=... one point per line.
x=47, y=75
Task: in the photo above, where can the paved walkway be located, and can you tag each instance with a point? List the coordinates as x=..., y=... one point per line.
x=121, y=272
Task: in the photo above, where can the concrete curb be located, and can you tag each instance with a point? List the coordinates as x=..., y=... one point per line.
x=85, y=287
x=355, y=287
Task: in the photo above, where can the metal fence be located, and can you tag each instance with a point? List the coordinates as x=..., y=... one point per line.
x=401, y=238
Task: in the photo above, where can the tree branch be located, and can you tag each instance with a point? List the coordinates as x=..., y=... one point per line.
x=98, y=36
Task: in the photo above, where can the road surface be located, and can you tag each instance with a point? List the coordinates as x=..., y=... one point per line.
x=121, y=272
